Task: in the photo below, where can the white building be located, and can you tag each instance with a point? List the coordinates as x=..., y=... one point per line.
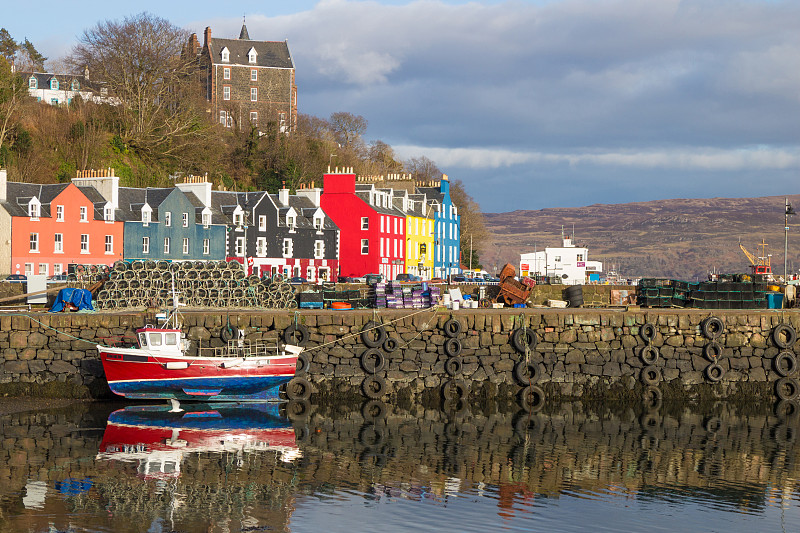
x=57, y=89
x=569, y=262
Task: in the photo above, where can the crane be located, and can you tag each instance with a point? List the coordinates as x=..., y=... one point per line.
x=759, y=264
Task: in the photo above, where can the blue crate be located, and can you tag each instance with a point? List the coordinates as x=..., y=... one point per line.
x=310, y=305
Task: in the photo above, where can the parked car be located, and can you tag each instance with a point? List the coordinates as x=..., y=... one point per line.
x=16, y=278
x=458, y=279
x=297, y=280
x=372, y=279
x=345, y=279
x=436, y=280
x=58, y=278
x=407, y=277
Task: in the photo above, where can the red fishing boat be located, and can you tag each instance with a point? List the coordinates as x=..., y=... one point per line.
x=159, y=367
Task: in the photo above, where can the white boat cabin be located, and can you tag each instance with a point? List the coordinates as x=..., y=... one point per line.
x=166, y=341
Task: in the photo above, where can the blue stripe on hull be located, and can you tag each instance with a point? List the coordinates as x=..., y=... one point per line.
x=258, y=388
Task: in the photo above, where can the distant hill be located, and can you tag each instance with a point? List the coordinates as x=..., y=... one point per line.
x=679, y=238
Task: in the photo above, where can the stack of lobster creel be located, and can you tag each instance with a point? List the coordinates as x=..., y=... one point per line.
x=195, y=284
x=88, y=273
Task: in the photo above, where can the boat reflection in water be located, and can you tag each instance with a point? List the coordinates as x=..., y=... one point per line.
x=159, y=436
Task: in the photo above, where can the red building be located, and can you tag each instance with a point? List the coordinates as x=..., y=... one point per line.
x=52, y=226
x=372, y=232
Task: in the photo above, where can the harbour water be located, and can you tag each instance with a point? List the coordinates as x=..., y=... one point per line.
x=391, y=468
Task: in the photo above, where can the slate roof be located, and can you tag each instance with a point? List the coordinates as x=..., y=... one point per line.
x=433, y=193
x=64, y=81
x=305, y=210
x=380, y=209
x=19, y=194
x=274, y=54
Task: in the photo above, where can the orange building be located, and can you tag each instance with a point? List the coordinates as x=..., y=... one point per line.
x=52, y=226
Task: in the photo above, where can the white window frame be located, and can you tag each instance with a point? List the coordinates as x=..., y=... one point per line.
x=226, y=73
x=254, y=118
x=58, y=268
x=185, y=245
x=84, y=214
x=223, y=117
x=109, y=244
x=206, y=246
x=206, y=220
x=58, y=243
x=253, y=74
x=185, y=218
x=59, y=213
x=225, y=54
x=240, y=247
x=145, y=245
x=167, y=219
x=288, y=248
x=166, y=245
x=108, y=214
x=318, y=222
x=226, y=92
x=34, y=242
x=43, y=268
x=145, y=218
x=33, y=211
x=254, y=94
x=32, y=83
x=364, y=246
x=84, y=243
x=261, y=246
x=319, y=249
x=29, y=269
x=364, y=223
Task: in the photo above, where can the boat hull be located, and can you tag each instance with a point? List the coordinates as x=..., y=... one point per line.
x=137, y=374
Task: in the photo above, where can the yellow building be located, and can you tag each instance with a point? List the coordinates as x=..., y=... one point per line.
x=419, y=233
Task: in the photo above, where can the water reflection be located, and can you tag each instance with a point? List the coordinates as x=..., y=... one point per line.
x=462, y=467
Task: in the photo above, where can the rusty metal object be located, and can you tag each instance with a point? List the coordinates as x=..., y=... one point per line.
x=512, y=291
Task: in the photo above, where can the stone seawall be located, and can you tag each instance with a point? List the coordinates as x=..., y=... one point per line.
x=579, y=353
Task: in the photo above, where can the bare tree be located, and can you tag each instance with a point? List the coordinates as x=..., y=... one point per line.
x=140, y=63
x=422, y=168
x=348, y=128
x=473, y=223
x=12, y=96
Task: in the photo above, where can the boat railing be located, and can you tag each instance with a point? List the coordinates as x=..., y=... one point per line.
x=241, y=348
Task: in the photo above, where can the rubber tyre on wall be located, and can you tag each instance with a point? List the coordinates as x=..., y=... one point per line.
x=453, y=328
x=454, y=389
x=453, y=366
x=649, y=354
x=778, y=334
x=526, y=372
x=531, y=399
x=712, y=351
x=788, y=369
x=373, y=410
x=372, y=361
x=647, y=332
x=652, y=397
x=714, y=373
x=390, y=345
x=524, y=338
x=453, y=347
x=650, y=375
x=712, y=327
x=229, y=333
x=296, y=334
x=373, y=334
x=787, y=389
x=373, y=387
x=297, y=409
x=303, y=362
x=298, y=389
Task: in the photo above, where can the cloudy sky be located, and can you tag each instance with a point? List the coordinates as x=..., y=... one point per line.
x=533, y=104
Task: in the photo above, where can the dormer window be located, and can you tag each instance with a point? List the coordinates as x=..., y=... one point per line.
x=32, y=83
x=290, y=221
x=76, y=86
x=318, y=223
x=225, y=54
x=145, y=218
x=237, y=219
x=33, y=211
x=206, y=220
x=251, y=56
x=108, y=214
x=54, y=84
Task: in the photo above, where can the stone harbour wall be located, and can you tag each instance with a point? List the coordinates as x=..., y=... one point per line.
x=579, y=353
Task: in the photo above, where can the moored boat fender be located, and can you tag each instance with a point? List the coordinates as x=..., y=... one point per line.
x=453, y=347
x=298, y=389
x=647, y=332
x=712, y=327
x=229, y=333
x=452, y=328
x=650, y=375
x=296, y=334
x=712, y=351
x=453, y=366
x=532, y=398
x=649, y=354
x=373, y=387
x=787, y=389
x=372, y=361
x=524, y=338
x=785, y=364
x=526, y=372
x=373, y=334
x=303, y=362
x=784, y=336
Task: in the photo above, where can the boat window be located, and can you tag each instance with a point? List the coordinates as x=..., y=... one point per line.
x=155, y=339
x=142, y=339
x=171, y=338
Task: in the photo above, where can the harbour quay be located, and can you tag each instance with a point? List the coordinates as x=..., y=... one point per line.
x=457, y=355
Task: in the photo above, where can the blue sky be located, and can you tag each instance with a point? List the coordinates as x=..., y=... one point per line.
x=532, y=104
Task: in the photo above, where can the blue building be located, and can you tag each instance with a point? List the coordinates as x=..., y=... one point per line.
x=447, y=227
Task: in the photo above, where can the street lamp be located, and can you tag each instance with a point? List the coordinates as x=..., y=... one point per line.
x=787, y=211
